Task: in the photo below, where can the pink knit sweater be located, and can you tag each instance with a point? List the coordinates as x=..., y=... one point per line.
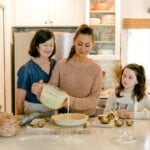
x=82, y=81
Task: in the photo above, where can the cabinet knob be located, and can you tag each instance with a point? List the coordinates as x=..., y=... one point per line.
x=51, y=22
x=46, y=22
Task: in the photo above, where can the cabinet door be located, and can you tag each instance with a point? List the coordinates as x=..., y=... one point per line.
x=67, y=12
x=49, y=12
x=30, y=12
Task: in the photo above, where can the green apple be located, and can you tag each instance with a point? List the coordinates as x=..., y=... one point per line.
x=129, y=122
x=119, y=122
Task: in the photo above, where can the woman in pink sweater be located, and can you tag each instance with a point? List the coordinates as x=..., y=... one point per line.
x=78, y=75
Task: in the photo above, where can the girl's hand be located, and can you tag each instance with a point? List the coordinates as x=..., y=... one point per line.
x=37, y=88
x=131, y=114
x=123, y=113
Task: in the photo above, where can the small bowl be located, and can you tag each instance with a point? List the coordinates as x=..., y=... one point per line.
x=52, y=96
x=104, y=119
x=101, y=6
x=129, y=122
x=119, y=122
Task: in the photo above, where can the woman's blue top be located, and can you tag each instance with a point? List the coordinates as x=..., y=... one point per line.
x=30, y=73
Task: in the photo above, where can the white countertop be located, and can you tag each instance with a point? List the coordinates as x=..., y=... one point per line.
x=99, y=139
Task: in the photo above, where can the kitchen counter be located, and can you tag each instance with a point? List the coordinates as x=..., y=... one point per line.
x=99, y=138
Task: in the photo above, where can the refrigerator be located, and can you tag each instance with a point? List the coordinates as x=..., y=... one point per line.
x=21, y=46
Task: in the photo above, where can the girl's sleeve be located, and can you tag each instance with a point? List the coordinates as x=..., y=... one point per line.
x=142, y=109
x=147, y=102
x=145, y=114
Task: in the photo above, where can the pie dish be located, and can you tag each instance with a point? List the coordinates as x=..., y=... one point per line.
x=70, y=119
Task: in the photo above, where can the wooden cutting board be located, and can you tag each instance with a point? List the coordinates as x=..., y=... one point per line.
x=50, y=127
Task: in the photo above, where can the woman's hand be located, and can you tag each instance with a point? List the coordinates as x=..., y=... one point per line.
x=37, y=88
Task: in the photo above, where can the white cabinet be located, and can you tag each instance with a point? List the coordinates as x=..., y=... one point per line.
x=49, y=12
x=30, y=12
x=67, y=12
x=104, y=18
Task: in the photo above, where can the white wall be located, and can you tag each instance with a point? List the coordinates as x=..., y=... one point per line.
x=131, y=9
x=135, y=8
x=2, y=57
x=7, y=45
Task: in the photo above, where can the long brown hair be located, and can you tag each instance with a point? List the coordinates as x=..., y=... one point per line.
x=83, y=29
x=139, y=90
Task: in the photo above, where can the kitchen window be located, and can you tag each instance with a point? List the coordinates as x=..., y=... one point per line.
x=139, y=48
x=138, y=43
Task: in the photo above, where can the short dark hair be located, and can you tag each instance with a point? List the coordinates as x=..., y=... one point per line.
x=41, y=36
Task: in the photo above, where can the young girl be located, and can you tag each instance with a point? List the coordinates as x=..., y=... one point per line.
x=129, y=99
x=40, y=66
x=78, y=75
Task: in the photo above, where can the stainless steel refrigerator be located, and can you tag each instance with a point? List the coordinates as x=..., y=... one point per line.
x=21, y=46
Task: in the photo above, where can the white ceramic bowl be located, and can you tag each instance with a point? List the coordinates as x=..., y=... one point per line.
x=70, y=119
x=53, y=97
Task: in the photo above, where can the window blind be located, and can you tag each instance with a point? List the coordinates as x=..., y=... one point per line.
x=130, y=23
